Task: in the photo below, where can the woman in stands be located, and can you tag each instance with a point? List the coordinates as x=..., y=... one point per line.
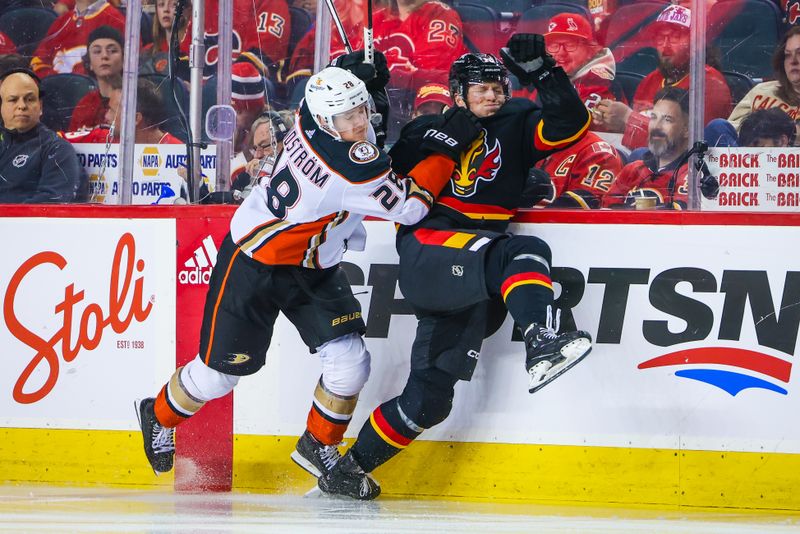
x=784, y=91
x=103, y=62
x=155, y=56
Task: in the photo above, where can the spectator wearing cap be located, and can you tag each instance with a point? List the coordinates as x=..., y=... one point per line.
x=432, y=99
x=671, y=38
x=103, y=62
x=247, y=98
x=590, y=67
x=64, y=45
x=36, y=165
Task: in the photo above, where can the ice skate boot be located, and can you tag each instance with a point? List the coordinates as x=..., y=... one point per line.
x=159, y=441
x=550, y=354
x=314, y=456
x=349, y=479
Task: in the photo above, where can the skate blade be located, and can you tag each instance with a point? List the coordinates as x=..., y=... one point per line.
x=305, y=464
x=314, y=493
x=573, y=353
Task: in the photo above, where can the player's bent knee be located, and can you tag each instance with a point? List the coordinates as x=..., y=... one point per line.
x=527, y=245
x=345, y=364
x=204, y=383
x=428, y=397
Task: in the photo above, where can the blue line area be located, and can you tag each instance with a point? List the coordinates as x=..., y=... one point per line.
x=728, y=381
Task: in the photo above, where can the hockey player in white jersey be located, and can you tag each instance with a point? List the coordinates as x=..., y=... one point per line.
x=282, y=255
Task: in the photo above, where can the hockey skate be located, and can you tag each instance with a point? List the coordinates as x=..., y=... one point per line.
x=549, y=354
x=313, y=456
x=347, y=478
x=159, y=441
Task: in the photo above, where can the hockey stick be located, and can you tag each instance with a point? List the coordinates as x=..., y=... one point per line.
x=369, y=43
x=339, y=27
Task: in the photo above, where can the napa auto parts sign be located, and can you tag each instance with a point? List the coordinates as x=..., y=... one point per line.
x=87, y=307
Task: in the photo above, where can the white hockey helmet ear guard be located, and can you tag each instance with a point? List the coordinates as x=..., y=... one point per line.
x=332, y=91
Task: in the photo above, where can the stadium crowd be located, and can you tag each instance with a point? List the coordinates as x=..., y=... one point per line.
x=629, y=61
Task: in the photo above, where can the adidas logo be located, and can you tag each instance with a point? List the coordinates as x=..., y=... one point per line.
x=198, y=268
x=310, y=133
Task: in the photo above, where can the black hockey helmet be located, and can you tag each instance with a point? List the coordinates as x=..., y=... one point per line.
x=477, y=68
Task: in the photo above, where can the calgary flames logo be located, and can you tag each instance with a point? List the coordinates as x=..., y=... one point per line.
x=477, y=163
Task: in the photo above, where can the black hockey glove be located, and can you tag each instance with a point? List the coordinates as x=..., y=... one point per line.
x=453, y=134
x=380, y=117
x=376, y=75
x=525, y=57
x=538, y=187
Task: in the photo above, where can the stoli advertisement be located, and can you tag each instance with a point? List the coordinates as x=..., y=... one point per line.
x=88, y=319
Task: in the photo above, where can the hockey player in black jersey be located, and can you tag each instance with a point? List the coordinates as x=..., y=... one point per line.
x=460, y=258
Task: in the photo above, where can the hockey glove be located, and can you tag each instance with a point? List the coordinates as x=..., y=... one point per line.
x=453, y=134
x=538, y=187
x=376, y=75
x=525, y=57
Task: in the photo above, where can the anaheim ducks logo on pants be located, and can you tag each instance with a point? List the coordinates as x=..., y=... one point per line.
x=477, y=163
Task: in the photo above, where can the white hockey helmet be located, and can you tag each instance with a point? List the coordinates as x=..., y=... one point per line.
x=332, y=91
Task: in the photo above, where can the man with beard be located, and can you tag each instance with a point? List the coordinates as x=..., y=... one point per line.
x=661, y=176
x=671, y=38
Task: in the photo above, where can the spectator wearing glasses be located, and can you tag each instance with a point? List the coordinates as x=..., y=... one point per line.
x=590, y=67
x=266, y=136
x=671, y=39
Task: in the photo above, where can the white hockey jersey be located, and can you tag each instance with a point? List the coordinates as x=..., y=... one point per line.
x=310, y=209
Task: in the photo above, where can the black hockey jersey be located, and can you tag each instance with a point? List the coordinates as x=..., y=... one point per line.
x=485, y=189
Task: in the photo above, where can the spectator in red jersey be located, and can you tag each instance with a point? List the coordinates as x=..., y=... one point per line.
x=64, y=45
x=671, y=37
x=662, y=174
x=432, y=99
x=590, y=67
x=581, y=174
x=420, y=38
x=103, y=62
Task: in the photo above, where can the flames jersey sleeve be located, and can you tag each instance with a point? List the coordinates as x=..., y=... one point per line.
x=320, y=190
x=63, y=47
x=583, y=173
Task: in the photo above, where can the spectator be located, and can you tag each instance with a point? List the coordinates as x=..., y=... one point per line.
x=421, y=39
x=671, y=36
x=149, y=117
x=660, y=178
x=784, y=91
x=266, y=141
x=432, y=99
x=590, y=67
x=64, y=45
x=37, y=165
x=582, y=173
x=103, y=62
x=154, y=58
x=247, y=98
x=767, y=128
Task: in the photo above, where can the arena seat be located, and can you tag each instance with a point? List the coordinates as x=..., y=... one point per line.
x=481, y=27
x=627, y=82
x=27, y=27
x=625, y=35
x=746, y=32
x=62, y=92
x=739, y=84
x=534, y=20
